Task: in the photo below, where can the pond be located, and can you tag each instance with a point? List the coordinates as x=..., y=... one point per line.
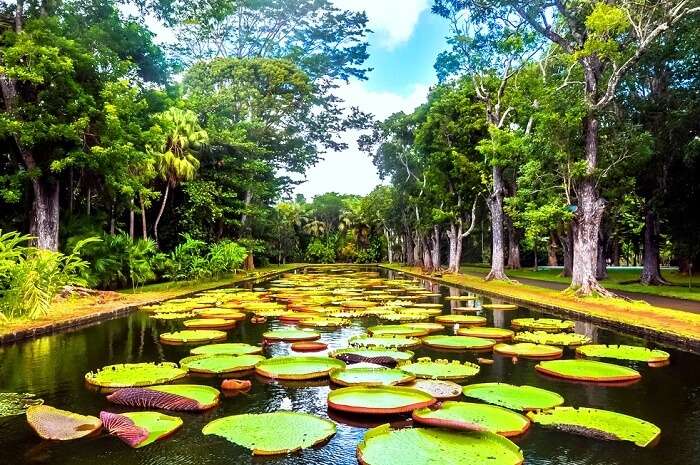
x=53, y=368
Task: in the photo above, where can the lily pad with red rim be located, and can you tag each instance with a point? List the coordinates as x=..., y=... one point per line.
x=222, y=313
x=552, y=339
x=180, y=397
x=396, y=330
x=473, y=417
x=135, y=375
x=624, y=352
x=500, y=306
x=378, y=400
x=272, y=433
x=193, y=336
x=523, y=398
x=297, y=368
x=528, y=350
x=438, y=388
x=550, y=325
x=466, y=320
x=458, y=342
x=397, y=342
x=588, y=370
x=291, y=335
x=60, y=425
x=353, y=376
x=210, y=323
x=231, y=348
x=220, y=364
x=441, y=369
x=139, y=429
x=497, y=334
x=373, y=352
x=430, y=327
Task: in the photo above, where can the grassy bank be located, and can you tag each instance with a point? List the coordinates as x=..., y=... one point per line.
x=640, y=317
x=619, y=279
x=65, y=312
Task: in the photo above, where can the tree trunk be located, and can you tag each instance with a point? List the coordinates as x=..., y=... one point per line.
x=601, y=264
x=615, y=253
x=417, y=258
x=651, y=272
x=427, y=255
x=454, y=236
x=407, y=248
x=144, y=226
x=436, y=250
x=495, y=204
x=44, y=220
x=89, y=201
x=160, y=212
x=513, y=245
x=567, y=250
x=132, y=219
x=552, y=251
x=389, y=246
x=249, y=263
x=586, y=227
x=244, y=217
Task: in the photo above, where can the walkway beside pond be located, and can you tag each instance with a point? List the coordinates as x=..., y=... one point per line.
x=677, y=327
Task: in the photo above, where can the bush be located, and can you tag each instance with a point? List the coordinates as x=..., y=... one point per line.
x=226, y=257
x=320, y=252
x=194, y=259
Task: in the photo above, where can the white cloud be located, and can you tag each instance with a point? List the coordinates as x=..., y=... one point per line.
x=392, y=20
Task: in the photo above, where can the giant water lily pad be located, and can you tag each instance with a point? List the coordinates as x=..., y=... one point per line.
x=220, y=313
x=460, y=298
x=458, y=342
x=514, y=397
x=588, y=370
x=12, y=403
x=473, y=417
x=497, y=334
x=209, y=323
x=542, y=324
x=60, y=425
x=622, y=352
x=420, y=446
x=380, y=400
x=529, y=350
x=500, y=306
x=552, y=339
x=193, y=336
x=291, y=335
x=272, y=433
x=396, y=330
x=596, y=423
x=297, y=368
x=181, y=397
x=441, y=369
x=135, y=375
x=139, y=429
x=232, y=348
x=430, y=327
x=370, y=376
x=366, y=354
x=398, y=342
x=467, y=320
x=438, y=388
x=220, y=364
x=330, y=322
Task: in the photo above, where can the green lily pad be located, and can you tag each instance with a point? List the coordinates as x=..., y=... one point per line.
x=473, y=417
x=135, y=375
x=497, y=334
x=397, y=355
x=458, y=342
x=209, y=323
x=232, y=348
x=272, y=433
x=12, y=403
x=193, y=336
x=430, y=327
x=552, y=339
x=588, y=370
x=529, y=350
x=441, y=369
x=380, y=400
x=370, y=376
x=542, y=324
x=219, y=364
x=60, y=425
x=420, y=446
x=297, y=368
x=460, y=298
x=622, y=352
x=329, y=322
x=472, y=320
x=172, y=316
x=596, y=423
x=396, y=330
x=291, y=335
x=500, y=306
x=440, y=389
x=139, y=429
x=514, y=397
x=405, y=316
x=398, y=342
x=185, y=397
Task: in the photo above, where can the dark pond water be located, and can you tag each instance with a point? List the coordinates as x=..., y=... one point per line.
x=53, y=367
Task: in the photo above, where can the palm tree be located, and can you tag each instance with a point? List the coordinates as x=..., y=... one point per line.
x=177, y=162
x=315, y=228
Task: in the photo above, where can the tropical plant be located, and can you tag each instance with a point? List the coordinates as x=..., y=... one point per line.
x=226, y=257
x=321, y=251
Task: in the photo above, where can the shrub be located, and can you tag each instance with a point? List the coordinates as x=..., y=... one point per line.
x=320, y=252
x=226, y=257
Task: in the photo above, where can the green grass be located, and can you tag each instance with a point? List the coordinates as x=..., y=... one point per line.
x=620, y=279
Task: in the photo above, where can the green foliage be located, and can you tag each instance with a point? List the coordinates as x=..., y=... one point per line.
x=195, y=259
x=226, y=257
x=320, y=251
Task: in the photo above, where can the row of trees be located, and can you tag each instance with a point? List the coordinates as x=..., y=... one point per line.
x=574, y=123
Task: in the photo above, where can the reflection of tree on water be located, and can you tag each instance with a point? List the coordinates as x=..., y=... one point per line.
x=587, y=328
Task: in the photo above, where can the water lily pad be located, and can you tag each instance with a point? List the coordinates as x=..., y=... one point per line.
x=60, y=425
x=622, y=352
x=352, y=376
x=220, y=364
x=458, y=342
x=405, y=316
x=460, y=298
x=209, y=323
x=420, y=446
x=398, y=342
x=473, y=417
x=135, y=375
x=552, y=339
x=309, y=346
x=232, y=348
x=467, y=320
x=370, y=353
x=497, y=334
x=193, y=336
x=588, y=370
x=440, y=389
x=396, y=330
x=329, y=322
x=500, y=306
x=514, y=397
x=529, y=350
x=542, y=324
x=272, y=433
x=441, y=369
x=220, y=313
x=139, y=429
x=172, y=316
x=181, y=397
x=297, y=368
x=430, y=327
x=291, y=335
x=600, y=424
x=379, y=400
x=12, y=403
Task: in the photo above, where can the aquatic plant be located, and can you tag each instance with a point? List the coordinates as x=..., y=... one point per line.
x=378, y=400
x=180, y=397
x=514, y=397
x=138, y=429
x=60, y=425
x=473, y=417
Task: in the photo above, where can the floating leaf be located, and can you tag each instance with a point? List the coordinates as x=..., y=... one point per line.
x=223, y=313
x=220, y=364
x=379, y=400
x=398, y=342
x=181, y=397
x=467, y=320
x=552, y=339
x=458, y=342
x=60, y=425
x=514, y=397
x=291, y=335
x=420, y=446
x=441, y=369
x=440, y=389
x=135, y=375
x=600, y=424
x=232, y=348
x=209, y=323
x=542, y=324
x=498, y=334
x=588, y=370
x=473, y=417
x=396, y=330
x=329, y=322
x=139, y=429
x=500, y=306
x=370, y=353
x=193, y=336
x=370, y=376
x=430, y=327
x=528, y=350
x=12, y=403
x=297, y=368
x=622, y=352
